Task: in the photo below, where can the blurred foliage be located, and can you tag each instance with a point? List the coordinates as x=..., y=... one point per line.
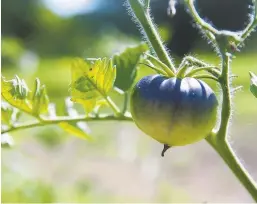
x=38, y=43
x=253, y=86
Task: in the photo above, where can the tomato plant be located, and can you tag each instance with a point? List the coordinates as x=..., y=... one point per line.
x=175, y=107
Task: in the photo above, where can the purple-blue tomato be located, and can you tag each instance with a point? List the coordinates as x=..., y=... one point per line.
x=174, y=111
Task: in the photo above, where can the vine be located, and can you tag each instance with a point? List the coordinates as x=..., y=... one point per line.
x=92, y=79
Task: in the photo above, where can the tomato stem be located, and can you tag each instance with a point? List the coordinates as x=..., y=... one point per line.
x=218, y=140
x=144, y=19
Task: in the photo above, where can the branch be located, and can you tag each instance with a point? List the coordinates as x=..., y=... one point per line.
x=204, y=26
x=60, y=119
x=218, y=140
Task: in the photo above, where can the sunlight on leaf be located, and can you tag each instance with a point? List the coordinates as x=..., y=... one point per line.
x=79, y=129
x=73, y=130
x=91, y=79
x=16, y=93
x=6, y=140
x=253, y=86
x=126, y=64
x=98, y=105
x=9, y=114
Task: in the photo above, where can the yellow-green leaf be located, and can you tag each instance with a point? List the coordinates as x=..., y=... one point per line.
x=91, y=79
x=99, y=104
x=75, y=130
x=79, y=129
x=16, y=93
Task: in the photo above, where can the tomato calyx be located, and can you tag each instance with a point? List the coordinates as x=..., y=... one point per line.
x=189, y=67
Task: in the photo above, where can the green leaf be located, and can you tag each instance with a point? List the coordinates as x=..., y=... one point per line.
x=78, y=129
x=91, y=79
x=9, y=114
x=16, y=93
x=40, y=99
x=126, y=64
x=253, y=86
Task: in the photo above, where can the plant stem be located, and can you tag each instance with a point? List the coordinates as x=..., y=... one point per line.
x=226, y=98
x=152, y=35
x=60, y=119
x=228, y=155
x=219, y=140
x=205, y=26
x=126, y=101
x=114, y=107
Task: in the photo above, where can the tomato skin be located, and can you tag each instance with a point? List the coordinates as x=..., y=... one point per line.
x=174, y=111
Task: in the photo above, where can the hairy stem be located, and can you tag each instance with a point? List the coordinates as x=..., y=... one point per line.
x=228, y=155
x=152, y=35
x=219, y=140
x=205, y=26
x=226, y=98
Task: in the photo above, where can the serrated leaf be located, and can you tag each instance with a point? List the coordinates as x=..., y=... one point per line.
x=6, y=140
x=40, y=99
x=126, y=64
x=9, y=114
x=253, y=86
x=91, y=79
x=16, y=93
x=79, y=129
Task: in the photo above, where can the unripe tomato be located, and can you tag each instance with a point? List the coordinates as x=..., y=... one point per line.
x=174, y=111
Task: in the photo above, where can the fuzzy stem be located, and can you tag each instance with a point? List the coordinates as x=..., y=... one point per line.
x=211, y=69
x=226, y=98
x=158, y=63
x=219, y=140
x=230, y=158
x=205, y=26
x=152, y=35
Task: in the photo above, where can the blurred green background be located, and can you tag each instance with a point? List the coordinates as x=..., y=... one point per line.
x=39, y=39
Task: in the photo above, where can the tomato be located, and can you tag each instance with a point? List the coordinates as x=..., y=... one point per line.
x=174, y=111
